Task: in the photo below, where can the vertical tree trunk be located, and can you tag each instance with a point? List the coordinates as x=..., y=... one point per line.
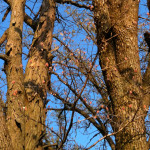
x=116, y=23
x=14, y=73
x=37, y=76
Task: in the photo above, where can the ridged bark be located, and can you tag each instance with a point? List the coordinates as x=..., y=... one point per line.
x=116, y=23
x=14, y=73
x=5, y=140
x=37, y=77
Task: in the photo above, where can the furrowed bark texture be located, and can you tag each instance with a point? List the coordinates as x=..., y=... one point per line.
x=37, y=76
x=116, y=23
x=14, y=73
x=5, y=140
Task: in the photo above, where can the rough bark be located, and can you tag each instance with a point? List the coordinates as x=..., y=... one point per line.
x=116, y=23
x=5, y=140
x=14, y=73
x=37, y=76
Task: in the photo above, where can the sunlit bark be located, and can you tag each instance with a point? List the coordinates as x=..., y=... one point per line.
x=37, y=76
x=14, y=72
x=116, y=23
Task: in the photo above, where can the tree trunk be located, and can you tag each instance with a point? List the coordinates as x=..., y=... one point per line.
x=14, y=73
x=37, y=77
x=116, y=23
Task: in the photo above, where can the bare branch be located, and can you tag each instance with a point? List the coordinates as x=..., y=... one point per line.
x=121, y=128
x=74, y=3
x=50, y=145
x=8, y=2
x=6, y=13
x=144, y=18
x=4, y=57
x=99, y=126
x=30, y=10
x=3, y=38
x=30, y=22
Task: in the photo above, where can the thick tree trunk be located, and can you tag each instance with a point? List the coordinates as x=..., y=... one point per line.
x=116, y=23
x=37, y=77
x=14, y=73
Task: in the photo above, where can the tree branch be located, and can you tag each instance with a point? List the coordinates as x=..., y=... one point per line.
x=30, y=10
x=4, y=57
x=8, y=2
x=3, y=38
x=120, y=129
x=74, y=3
x=6, y=13
x=30, y=22
x=99, y=126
